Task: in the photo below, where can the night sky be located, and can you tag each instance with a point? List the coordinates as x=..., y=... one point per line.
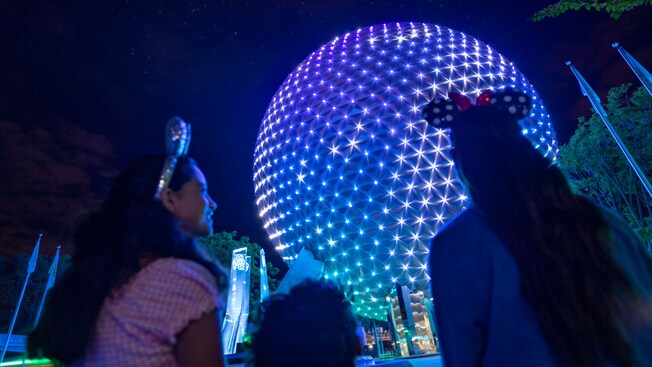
x=86, y=86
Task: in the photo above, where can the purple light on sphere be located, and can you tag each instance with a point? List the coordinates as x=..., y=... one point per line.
x=346, y=167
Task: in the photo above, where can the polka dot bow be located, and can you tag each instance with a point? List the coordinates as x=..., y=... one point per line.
x=440, y=113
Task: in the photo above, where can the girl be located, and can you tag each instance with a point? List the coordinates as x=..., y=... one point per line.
x=139, y=292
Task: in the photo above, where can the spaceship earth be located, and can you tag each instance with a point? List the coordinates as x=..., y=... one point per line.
x=346, y=167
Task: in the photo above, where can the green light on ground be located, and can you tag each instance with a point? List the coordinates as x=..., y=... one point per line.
x=28, y=362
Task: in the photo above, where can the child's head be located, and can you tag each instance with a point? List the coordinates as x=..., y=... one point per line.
x=313, y=325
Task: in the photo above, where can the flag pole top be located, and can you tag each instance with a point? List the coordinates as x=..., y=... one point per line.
x=615, y=45
x=569, y=63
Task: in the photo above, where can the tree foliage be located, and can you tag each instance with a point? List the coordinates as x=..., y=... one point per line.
x=596, y=165
x=220, y=247
x=615, y=8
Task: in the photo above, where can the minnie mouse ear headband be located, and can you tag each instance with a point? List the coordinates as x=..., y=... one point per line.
x=177, y=141
x=443, y=113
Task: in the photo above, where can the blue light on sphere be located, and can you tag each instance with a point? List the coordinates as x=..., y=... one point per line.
x=346, y=167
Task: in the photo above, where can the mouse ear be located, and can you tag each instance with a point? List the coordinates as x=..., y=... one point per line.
x=177, y=141
x=513, y=101
x=440, y=113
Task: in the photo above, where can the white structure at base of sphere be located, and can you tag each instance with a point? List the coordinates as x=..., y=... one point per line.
x=346, y=167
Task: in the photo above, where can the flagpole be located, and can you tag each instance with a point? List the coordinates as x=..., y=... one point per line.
x=31, y=266
x=40, y=308
x=595, y=102
x=641, y=73
x=52, y=273
x=51, y=278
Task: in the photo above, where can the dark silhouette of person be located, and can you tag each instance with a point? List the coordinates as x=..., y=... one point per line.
x=531, y=274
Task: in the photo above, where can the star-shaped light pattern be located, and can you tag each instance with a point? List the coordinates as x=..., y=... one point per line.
x=346, y=167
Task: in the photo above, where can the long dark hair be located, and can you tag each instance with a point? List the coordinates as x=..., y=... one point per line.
x=108, y=246
x=560, y=240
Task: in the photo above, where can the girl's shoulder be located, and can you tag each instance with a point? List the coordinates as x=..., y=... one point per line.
x=170, y=280
x=174, y=267
x=164, y=296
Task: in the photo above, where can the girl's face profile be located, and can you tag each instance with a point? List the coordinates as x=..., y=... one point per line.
x=193, y=206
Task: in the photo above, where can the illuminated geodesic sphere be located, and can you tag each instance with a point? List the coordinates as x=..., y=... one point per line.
x=346, y=167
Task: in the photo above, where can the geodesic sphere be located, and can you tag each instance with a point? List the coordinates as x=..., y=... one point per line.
x=346, y=166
